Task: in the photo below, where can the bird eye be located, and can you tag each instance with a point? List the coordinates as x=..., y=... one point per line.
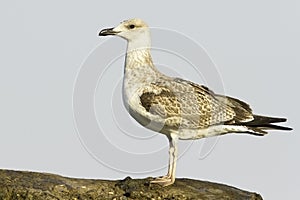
x=131, y=26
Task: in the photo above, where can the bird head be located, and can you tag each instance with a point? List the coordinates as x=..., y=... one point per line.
x=133, y=30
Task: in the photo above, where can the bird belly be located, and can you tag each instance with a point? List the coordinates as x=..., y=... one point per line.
x=215, y=130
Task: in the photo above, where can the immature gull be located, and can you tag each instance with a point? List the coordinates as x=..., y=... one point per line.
x=178, y=108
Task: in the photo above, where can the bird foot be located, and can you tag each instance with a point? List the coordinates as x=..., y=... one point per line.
x=164, y=180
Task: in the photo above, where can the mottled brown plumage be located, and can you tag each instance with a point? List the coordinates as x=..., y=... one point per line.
x=178, y=108
x=195, y=106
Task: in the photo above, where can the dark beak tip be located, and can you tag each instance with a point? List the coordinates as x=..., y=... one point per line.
x=108, y=31
x=101, y=33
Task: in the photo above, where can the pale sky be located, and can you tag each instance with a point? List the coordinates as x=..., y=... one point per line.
x=248, y=50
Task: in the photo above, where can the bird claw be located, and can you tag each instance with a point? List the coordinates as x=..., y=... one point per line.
x=164, y=180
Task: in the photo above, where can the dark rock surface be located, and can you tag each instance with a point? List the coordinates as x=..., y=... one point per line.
x=43, y=186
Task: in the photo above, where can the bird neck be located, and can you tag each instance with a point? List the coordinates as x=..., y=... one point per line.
x=141, y=40
x=138, y=53
x=138, y=58
x=139, y=71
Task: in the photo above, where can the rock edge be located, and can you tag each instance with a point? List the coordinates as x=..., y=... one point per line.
x=44, y=186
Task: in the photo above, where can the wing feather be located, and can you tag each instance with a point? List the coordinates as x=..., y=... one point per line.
x=185, y=104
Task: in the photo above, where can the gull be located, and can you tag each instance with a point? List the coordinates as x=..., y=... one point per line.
x=178, y=108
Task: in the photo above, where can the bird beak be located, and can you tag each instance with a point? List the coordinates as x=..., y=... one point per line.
x=108, y=31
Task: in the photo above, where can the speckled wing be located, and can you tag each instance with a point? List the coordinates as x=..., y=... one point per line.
x=243, y=112
x=184, y=104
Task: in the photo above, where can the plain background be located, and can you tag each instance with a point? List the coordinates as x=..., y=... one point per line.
x=255, y=45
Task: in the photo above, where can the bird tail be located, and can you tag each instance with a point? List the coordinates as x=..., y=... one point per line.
x=260, y=124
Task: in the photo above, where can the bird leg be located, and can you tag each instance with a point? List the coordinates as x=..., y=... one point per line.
x=169, y=179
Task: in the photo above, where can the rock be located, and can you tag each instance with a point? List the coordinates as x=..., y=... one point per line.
x=43, y=186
